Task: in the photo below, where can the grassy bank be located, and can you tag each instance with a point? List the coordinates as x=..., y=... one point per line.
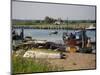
x=53, y=26
x=74, y=61
x=26, y=65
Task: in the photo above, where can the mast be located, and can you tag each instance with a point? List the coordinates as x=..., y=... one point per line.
x=67, y=24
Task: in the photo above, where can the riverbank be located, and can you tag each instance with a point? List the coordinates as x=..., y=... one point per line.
x=53, y=26
x=73, y=61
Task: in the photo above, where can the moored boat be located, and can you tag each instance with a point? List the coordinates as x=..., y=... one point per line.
x=77, y=41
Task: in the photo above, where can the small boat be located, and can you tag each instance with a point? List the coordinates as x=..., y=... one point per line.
x=91, y=28
x=43, y=55
x=54, y=32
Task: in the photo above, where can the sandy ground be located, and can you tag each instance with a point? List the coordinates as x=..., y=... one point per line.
x=76, y=61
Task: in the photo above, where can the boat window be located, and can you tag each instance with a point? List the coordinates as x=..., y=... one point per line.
x=78, y=35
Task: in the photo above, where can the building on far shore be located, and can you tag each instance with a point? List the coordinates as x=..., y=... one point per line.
x=58, y=21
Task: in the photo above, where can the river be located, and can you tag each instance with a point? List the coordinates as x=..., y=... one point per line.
x=43, y=34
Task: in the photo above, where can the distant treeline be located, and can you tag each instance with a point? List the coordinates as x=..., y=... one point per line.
x=49, y=20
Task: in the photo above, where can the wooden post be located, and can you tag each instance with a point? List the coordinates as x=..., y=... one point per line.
x=83, y=38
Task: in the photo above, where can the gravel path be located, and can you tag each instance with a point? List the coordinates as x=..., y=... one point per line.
x=75, y=61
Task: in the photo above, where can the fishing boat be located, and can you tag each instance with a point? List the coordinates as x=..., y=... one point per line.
x=77, y=41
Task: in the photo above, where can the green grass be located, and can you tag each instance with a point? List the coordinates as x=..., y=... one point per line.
x=26, y=65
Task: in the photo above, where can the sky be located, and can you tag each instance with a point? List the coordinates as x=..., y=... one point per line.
x=38, y=11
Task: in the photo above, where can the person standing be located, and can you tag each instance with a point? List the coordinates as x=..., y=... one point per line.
x=22, y=34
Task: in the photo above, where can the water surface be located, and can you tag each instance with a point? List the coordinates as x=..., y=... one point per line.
x=43, y=34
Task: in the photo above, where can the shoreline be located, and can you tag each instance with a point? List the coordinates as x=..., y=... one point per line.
x=53, y=26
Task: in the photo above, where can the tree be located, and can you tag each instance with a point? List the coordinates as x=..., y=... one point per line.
x=49, y=20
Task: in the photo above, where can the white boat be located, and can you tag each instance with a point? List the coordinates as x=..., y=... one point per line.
x=40, y=54
x=91, y=28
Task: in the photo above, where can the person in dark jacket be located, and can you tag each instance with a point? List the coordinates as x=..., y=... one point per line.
x=22, y=34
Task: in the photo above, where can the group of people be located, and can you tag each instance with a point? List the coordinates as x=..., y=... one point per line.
x=67, y=36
